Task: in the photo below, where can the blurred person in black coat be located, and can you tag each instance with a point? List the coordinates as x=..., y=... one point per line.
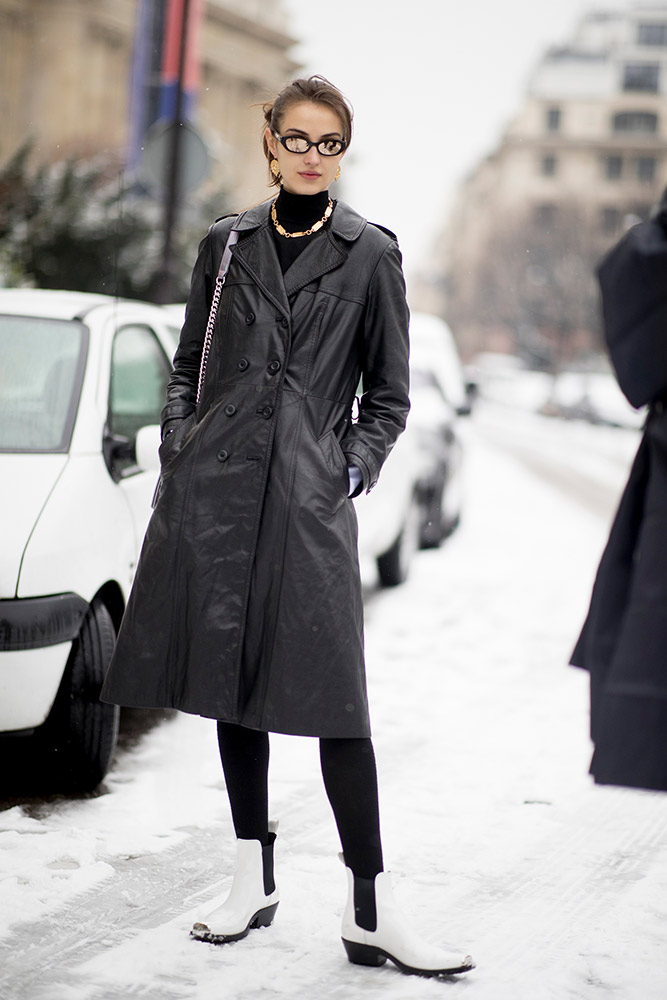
x=623, y=643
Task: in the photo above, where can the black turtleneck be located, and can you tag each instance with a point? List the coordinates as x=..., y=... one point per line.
x=297, y=212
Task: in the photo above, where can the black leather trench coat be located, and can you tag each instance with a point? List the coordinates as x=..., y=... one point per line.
x=246, y=605
x=624, y=639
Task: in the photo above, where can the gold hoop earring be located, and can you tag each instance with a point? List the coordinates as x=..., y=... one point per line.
x=337, y=177
x=275, y=168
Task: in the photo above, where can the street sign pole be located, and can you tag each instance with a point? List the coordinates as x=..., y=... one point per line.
x=164, y=291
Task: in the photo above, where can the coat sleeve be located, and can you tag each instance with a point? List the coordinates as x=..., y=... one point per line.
x=182, y=386
x=386, y=378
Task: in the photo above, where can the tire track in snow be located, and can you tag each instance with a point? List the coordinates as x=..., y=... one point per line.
x=39, y=961
x=591, y=479
x=141, y=894
x=553, y=901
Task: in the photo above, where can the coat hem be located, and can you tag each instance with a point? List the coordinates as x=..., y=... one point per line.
x=336, y=732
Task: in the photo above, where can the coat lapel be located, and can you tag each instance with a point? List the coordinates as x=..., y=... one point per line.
x=325, y=254
x=256, y=252
x=320, y=256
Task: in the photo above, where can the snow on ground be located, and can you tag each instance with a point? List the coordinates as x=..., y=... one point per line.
x=499, y=842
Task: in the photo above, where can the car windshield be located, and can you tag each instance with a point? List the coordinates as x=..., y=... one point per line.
x=41, y=371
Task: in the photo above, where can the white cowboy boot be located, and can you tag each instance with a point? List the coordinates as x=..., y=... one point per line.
x=253, y=897
x=374, y=929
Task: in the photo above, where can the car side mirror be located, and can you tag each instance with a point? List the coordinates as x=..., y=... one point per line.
x=147, y=444
x=118, y=451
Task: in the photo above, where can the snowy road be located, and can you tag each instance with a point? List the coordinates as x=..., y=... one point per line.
x=498, y=840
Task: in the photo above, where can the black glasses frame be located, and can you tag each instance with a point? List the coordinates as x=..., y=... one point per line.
x=282, y=139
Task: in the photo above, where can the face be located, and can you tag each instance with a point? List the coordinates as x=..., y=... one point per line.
x=307, y=173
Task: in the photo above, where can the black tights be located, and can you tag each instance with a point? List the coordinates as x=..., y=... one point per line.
x=350, y=780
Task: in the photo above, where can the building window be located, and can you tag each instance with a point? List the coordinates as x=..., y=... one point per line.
x=549, y=164
x=610, y=220
x=641, y=76
x=635, y=121
x=652, y=34
x=646, y=169
x=553, y=119
x=545, y=215
x=613, y=167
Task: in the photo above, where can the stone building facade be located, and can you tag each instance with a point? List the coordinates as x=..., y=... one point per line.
x=585, y=156
x=65, y=80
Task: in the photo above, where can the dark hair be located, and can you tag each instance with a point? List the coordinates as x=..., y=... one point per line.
x=317, y=90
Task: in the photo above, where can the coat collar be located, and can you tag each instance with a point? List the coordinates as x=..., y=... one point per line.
x=345, y=222
x=257, y=253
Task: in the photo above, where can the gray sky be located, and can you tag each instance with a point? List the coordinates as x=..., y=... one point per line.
x=433, y=83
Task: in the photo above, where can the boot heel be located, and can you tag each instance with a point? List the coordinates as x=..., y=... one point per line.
x=363, y=954
x=264, y=918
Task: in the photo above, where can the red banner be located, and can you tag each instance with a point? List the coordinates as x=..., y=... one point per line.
x=172, y=44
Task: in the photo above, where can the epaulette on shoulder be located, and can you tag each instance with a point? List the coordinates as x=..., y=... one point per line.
x=230, y=215
x=384, y=229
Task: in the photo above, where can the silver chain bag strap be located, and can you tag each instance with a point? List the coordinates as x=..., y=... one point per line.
x=213, y=313
x=210, y=327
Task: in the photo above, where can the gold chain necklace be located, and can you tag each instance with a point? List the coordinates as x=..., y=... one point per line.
x=308, y=232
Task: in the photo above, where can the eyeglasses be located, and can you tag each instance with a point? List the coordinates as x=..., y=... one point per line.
x=298, y=144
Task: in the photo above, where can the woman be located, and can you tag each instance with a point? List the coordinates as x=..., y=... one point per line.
x=250, y=562
x=624, y=637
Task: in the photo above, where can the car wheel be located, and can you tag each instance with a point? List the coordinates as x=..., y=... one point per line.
x=432, y=529
x=394, y=564
x=441, y=508
x=77, y=741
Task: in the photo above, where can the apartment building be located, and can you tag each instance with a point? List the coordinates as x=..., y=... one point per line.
x=585, y=155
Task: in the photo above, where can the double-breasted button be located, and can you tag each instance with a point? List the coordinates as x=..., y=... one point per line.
x=273, y=367
x=250, y=318
x=243, y=364
x=230, y=409
x=265, y=411
x=223, y=455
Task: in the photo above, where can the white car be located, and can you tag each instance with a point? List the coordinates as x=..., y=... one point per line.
x=417, y=501
x=439, y=395
x=82, y=383
x=390, y=516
